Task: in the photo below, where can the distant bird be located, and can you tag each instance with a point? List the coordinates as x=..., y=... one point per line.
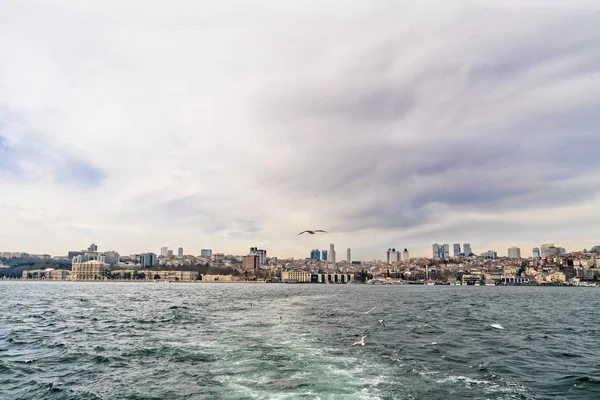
x=312, y=232
x=361, y=342
x=370, y=310
x=382, y=323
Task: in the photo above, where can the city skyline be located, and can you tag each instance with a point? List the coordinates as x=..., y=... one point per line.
x=245, y=131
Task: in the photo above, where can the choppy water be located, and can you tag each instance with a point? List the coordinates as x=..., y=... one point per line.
x=227, y=341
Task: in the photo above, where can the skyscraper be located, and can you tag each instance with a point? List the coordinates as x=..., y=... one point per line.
x=536, y=252
x=315, y=254
x=389, y=252
x=180, y=252
x=170, y=253
x=514, y=252
x=467, y=249
x=262, y=254
x=456, y=249
x=331, y=254
x=348, y=256
x=164, y=251
x=93, y=248
x=324, y=255
x=446, y=254
x=398, y=256
x=436, y=251
x=405, y=255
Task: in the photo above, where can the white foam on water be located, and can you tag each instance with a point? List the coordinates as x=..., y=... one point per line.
x=462, y=379
x=497, y=326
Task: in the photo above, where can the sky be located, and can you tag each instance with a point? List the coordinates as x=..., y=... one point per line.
x=233, y=124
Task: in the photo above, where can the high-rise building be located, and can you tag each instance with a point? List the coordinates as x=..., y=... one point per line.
x=405, y=255
x=436, y=252
x=180, y=252
x=206, y=253
x=111, y=257
x=514, y=252
x=148, y=260
x=398, y=256
x=446, y=251
x=331, y=254
x=92, y=248
x=164, y=251
x=324, y=255
x=348, y=256
x=456, y=249
x=392, y=256
x=389, y=252
x=536, y=252
x=262, y=255
x=315, y=254
x=251, y=262
x=467, y=249
x=170, y=253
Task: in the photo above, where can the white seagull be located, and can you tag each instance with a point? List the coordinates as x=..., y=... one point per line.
x=382, y=323
x=370, y=310
x=361, y=342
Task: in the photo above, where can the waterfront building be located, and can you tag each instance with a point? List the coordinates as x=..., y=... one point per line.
x=180, y=252
x=536, y=252
x=206, y=253
x=217, y=278
x=324, y=255
x=332, y=278
x=295, y=276
x=348, y=256
x=456, y=248
x=514, y=252
x=89, y=270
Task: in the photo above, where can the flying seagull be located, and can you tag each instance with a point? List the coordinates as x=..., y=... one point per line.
x=382, y=323
x=312, y=232
x=370, y=310
x=361, y=342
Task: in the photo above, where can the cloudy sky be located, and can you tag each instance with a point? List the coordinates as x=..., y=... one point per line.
x=230, y=124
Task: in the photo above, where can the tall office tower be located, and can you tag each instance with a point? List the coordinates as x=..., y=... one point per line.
x=164, y=251
x=405, y=255
x=514, y=252
x=348, y=256
x=180, y=252
x=436, y=251
x=398, y=256
x=205, y=252
x=93, y=248
x=324, y=255
x=456, y=249
x=536, y=252
x=467, y=249
x=169, y=253
x=446, y=252
x=331, y=254
x=389, y=252
x=315, y=254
